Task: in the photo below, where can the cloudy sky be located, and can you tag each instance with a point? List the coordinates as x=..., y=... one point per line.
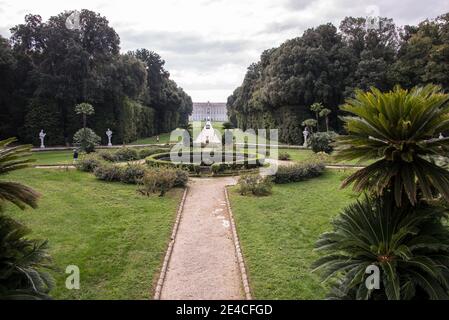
x=208, y=44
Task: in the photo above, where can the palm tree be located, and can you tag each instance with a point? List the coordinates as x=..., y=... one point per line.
x=398, y=129
x=325, y=113
x=85, y=109
x=15, y=158
x=409, y=245
x=317, y=107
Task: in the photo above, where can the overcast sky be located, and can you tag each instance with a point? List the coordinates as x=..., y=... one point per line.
x=208, y=44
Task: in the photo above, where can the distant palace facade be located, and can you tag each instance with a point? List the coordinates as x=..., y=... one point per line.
x=213, y=111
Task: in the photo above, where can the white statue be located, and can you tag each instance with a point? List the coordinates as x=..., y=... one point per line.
x=42, y=137
x=305, y=133
x=109, y=134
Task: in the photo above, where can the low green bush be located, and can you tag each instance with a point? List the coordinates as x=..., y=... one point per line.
x=322, y=141
x=132, y=173
x=255, y=184
x=88, y=163
x=284, y=156
x=181, y=179
x=157, y=180
x=126, y=154
x=108, y=172
x=106, y=155
x=299, y=172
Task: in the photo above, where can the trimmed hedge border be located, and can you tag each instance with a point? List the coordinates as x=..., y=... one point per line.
x=222, y=167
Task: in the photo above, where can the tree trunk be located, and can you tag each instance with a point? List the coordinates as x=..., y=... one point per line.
x=327, y=124
x=84, y=121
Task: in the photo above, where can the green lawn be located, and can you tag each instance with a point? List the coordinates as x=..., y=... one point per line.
x=298, y=154
x=116, y=237
x=278, y=233
x=53, y=157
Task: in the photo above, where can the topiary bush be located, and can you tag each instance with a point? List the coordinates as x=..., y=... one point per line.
x=86, y=139
x=322, y=141
x=255, y=184
x=298, y=172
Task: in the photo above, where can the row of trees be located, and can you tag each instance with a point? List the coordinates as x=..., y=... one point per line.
x=325, y=65
x=46, y=69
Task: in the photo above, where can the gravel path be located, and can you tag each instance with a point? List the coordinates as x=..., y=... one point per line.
x=203, y=264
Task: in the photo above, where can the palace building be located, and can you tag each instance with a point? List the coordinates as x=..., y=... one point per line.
x=213, y=111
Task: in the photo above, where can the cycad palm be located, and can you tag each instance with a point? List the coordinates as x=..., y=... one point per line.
x=15, y=158
x=408, y=244
x=398, y=129
x=22, y=261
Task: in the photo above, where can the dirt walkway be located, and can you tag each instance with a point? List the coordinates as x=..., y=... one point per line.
x=203, y=264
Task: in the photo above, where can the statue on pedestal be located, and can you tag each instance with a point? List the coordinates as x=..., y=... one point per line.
x=305, y=133
x=109, y=134
x=42, y=135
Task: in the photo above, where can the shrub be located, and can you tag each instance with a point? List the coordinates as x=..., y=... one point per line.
x=298, y=172
x=322, y=157
x=126, y=154
x=322, y=141
x=88, y=163
x=108, y=172
x=132, y=173
x=284, y=156
x=106, y=155
x=227, y=125
x=255, y=184
x=86, y=139
x=181, y=179
x=157, y=180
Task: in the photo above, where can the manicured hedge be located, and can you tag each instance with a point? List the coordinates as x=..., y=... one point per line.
x=154, y=161
x=241, y=164
x=129, y=154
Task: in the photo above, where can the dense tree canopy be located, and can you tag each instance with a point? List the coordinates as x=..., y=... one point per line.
x=326, y=65
x=46, y=69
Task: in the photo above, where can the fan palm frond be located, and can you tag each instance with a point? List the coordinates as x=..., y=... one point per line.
x=11, y=159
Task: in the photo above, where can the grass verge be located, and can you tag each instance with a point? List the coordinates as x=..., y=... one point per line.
x=277, y=234
x=116, y=237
